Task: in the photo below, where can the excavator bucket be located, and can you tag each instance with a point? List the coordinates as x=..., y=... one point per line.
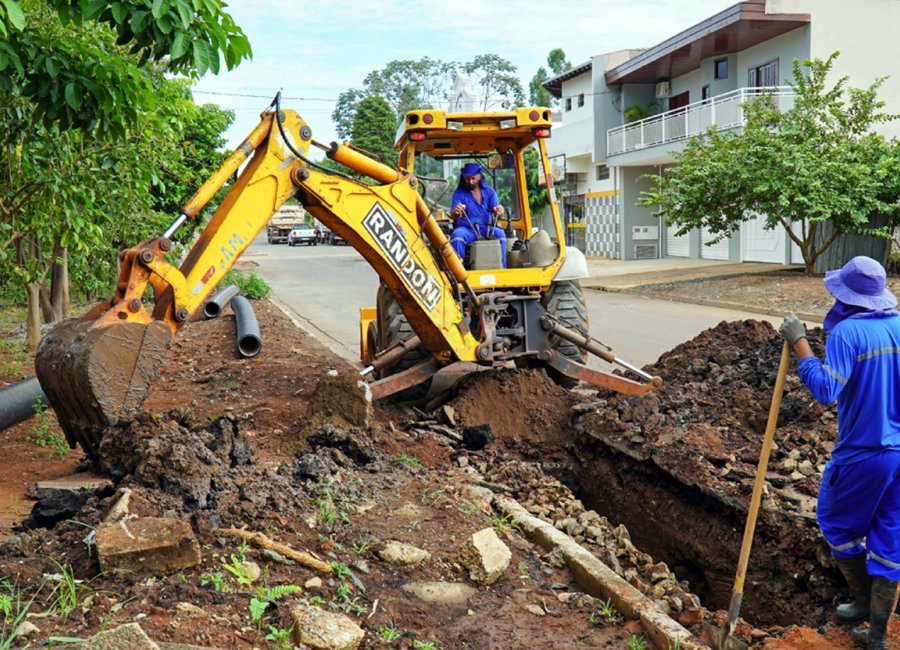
x=96, y=373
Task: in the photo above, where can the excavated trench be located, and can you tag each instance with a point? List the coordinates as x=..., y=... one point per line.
x=676, y=467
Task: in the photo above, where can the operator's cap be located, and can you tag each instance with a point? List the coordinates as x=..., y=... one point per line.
x=471, y=169
x=861, y=282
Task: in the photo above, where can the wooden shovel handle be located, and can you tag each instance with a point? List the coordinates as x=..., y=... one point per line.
x=755, y=498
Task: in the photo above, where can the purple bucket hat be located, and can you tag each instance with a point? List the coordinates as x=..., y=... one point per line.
x=861, y=282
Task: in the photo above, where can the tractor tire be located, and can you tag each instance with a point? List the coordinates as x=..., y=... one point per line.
x=392, y=328
x=565, y=300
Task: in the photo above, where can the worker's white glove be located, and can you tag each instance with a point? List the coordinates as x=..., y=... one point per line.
x=792, y=329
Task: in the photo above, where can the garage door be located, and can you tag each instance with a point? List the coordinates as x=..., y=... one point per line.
x=717, y=251
x=761, y=245
x=677, y=246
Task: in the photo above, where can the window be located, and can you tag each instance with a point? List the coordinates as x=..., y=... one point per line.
x=720, y=69
x=602, y=172
x=763, y=76
x=705, y=92
x=568, y=103
x=580, y=100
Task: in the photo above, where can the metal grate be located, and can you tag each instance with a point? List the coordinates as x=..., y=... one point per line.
x=645, y=252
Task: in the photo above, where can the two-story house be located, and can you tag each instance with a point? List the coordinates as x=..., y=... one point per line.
x=625, y=113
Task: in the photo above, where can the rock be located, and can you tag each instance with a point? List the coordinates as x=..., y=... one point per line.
x=125, y=637
x=251, y=571
x=691, y=617
x=313, y=584
x=478, y=437
x=398, y=553
x=536, y=610
x=317, y=629
x=55, y=507
x=485, y=556
x=147, y=545
x=269, y=554
x=354, y=444
x=191, y=610
x=444, y=593
x=74, y=483
x=25, y=629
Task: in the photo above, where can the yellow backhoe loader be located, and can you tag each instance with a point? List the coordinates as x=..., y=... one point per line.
x=432, y=307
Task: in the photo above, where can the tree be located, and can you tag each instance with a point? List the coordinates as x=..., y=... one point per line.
x=558, y=64
x=500, y=87
x=70, y=59
x=815, y=163
x=374, y=128
x=78, y=93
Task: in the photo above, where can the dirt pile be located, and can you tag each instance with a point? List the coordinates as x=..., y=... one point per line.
x=694, y=445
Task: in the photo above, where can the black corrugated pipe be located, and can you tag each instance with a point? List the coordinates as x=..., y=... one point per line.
x=17, y=401
x=219, y=300
x=249, y=341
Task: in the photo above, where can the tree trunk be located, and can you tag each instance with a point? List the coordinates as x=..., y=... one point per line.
x=46, y=305
x=59, y=284
x=33, y=316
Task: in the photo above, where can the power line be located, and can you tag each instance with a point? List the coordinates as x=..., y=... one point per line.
x=305, y=99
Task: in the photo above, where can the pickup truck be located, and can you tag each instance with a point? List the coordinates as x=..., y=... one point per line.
x=282, y=222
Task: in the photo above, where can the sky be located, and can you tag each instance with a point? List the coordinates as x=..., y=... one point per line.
x=313, y=51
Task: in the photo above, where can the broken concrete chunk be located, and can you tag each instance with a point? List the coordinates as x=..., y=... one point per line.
x=147, y=545
x=443, y=593
x=125, y=637
x=344, y=396
x=485, y=556
x=398, y=553
x=318, y=629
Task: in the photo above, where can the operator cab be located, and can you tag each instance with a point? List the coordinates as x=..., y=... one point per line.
x=510, y=150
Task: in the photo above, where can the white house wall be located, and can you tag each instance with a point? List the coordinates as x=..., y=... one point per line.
x=785, y=48
x=865, y=32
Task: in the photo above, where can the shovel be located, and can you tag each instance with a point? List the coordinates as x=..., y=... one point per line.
x=722, y=639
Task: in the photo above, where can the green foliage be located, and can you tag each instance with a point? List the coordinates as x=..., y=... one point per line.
x=389, y=632
x=68, y=592
x=238, y=568
x=79, y=64
x=408, y=461
x=605, y=614
x=425, y=645
x=250, y=285
x=557, y=62
x=638, y=112
x=266, y=596
x=426, y=83
x=217, y=580
x=505, y=524
x=280, y=637
x=818, y=162
x=374, y=128
x=44, y=431
x=13, y=609
x=636, y=642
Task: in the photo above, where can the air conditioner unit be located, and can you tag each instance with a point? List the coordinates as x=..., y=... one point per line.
x=663, y=89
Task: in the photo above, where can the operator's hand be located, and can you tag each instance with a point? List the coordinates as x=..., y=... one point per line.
x=458, y=211
x=792, y=330
x=499, y=211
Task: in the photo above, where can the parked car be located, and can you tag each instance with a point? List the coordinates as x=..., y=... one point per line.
x=303, y=234
x=334, y=239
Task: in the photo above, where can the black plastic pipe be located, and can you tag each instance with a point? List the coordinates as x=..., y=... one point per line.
x=249, y=341
x=17, y=401
x=219, y=300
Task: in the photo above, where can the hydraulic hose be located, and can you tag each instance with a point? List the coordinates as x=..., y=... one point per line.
x=219, y=300
x=17, y=401
x=249, y=341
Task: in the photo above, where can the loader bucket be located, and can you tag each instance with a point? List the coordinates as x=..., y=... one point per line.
x=96, y=374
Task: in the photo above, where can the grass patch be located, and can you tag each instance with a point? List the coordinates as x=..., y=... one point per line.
x=249, y=284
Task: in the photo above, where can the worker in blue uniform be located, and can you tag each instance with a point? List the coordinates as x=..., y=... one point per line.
x=475, y=212
x=859, y=498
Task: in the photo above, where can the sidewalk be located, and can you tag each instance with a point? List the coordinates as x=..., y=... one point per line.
x=618, y=275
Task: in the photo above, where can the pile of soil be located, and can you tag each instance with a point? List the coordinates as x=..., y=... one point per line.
x=696, y=442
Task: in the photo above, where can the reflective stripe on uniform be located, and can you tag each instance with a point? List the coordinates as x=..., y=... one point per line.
x=881, y=560
x=834, y=374
x=844, y=547
x=878, y=353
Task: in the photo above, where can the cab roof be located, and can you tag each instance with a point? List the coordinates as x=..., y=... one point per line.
x=438, y=133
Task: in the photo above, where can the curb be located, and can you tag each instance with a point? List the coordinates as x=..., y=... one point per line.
x=721, y=304
x=594, y=577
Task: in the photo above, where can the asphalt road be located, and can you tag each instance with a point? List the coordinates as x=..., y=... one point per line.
x=323, y=287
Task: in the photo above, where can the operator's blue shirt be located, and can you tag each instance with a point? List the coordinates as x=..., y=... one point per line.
x=862, y=351
x=480, y=215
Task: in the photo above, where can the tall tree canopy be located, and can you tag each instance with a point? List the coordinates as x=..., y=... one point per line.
x=557, y=62
x=818, y=162
x=374, y=128
x=407, y=85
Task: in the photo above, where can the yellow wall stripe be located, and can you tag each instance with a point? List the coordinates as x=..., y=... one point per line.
x=594, y=195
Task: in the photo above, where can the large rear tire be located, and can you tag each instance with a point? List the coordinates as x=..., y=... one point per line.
x=565, y=300
x=393, y=327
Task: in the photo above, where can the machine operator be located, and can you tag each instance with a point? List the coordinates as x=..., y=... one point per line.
x=476, y=210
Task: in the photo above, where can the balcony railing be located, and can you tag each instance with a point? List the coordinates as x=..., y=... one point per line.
x=725, y=111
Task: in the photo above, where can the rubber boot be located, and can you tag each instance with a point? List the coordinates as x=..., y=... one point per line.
x=860, y=583
x=881, y=607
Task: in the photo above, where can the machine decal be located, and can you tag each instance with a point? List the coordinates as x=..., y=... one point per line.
x=206, y=276
x=391, y=240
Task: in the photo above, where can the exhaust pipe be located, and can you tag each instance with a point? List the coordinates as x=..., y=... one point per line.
x=249, y=341
x=17, y=401
x=219, y=300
